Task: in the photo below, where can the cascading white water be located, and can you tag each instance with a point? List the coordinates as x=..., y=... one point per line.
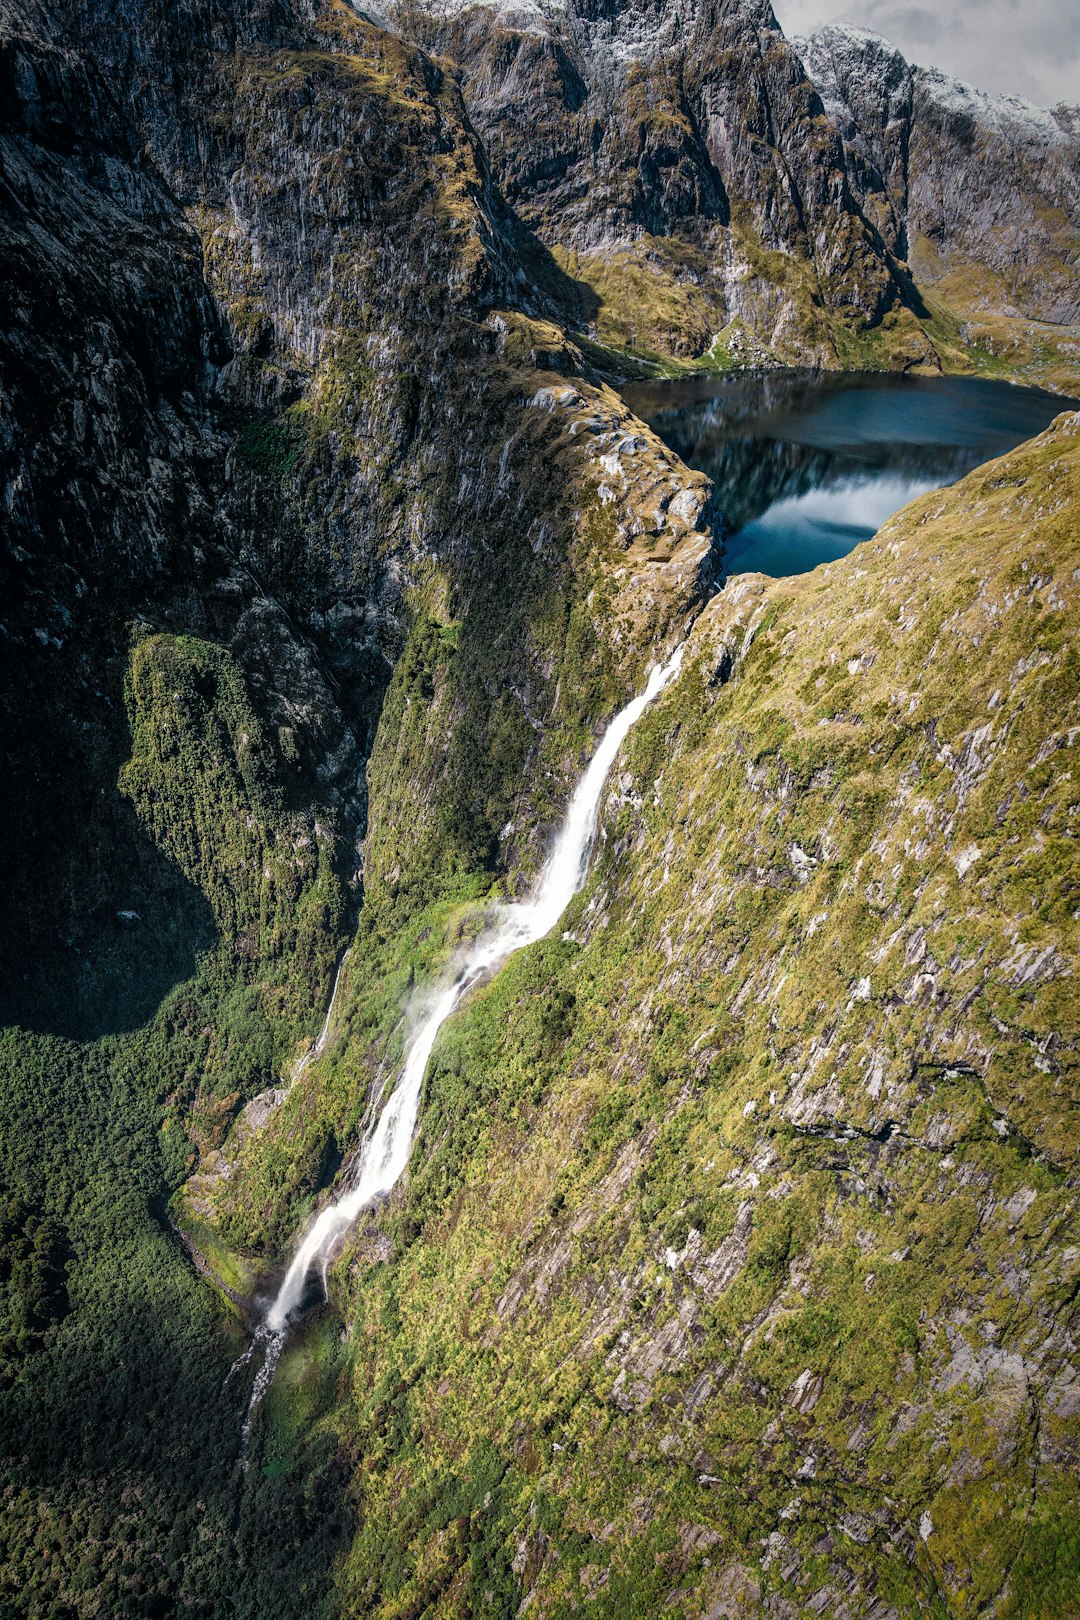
x=386, y=1152
x=317, y=1047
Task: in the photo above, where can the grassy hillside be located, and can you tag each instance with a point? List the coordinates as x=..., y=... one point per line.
x=734, y=1263
x=384, y=472
x=735, y=1270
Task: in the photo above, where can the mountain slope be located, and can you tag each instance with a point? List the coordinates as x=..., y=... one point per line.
x=676, y=160
x=327, y=558
x=736, y=1266
x=980, y=194
x=722, y=191
x=253, y=449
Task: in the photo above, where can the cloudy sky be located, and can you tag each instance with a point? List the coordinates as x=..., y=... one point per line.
x=1030, y=47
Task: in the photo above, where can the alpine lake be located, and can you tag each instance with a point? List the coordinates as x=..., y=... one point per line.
x=807, y=464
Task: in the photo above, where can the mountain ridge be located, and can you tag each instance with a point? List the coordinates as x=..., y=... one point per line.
x=671, y=198
x=330, y=552
x=990, y=217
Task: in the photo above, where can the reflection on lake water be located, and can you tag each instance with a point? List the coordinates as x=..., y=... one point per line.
x=807, y=464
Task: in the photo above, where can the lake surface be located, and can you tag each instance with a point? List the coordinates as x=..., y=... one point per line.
x=807, y=464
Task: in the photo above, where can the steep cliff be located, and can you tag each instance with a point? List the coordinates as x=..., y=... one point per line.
x=293, y=455
x=980, y=194
x=736, y=1267
x=718, y=191
x=676, y=160
x=261, y=435
x=327, y=555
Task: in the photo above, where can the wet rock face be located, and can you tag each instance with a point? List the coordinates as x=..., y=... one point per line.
x=954, y=176
x=109, y=339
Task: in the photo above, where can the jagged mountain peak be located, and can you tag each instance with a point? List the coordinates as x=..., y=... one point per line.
x=843, y=51
x=840, y=50
x=615, y=33
x=978, y=191
x=1006, y=114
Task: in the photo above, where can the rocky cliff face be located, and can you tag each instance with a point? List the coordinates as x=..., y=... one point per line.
x=715, y=186
x=764, y=1300
x=967, y=178
x=110, y=337
x=979, y=193
x=677, y=160
x=327, y=554
x=279, y=431
x=282, y=399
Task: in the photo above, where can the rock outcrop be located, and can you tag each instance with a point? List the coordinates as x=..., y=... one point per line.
x=716, y=187
x=961, y=178
x=327, y=554
x=773, y=1259
x=271, y=432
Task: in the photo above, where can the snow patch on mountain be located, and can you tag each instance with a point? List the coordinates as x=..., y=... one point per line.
x=845, y=63
x=1013, y=118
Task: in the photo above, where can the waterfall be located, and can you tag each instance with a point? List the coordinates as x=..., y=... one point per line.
x=317, y=1047
x=385, y=1153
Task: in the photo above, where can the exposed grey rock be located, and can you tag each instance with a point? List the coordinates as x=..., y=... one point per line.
x=692, y=122
x=956, y=176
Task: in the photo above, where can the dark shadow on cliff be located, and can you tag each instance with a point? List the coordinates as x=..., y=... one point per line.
x=573, y=303
x=97, y=924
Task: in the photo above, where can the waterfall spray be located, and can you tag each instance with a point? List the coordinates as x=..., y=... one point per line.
x=385, y=1153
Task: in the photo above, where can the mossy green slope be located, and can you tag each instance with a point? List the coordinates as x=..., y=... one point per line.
x=735, y=1270
x=398, y=462
x=208, y=783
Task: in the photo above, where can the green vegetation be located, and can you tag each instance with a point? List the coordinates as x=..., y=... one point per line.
x=736, y=1239
x=271, y=449
x=118, y=1467
x=213, y=803
x=737, y=1250
x=661, y=311
x=655, y=301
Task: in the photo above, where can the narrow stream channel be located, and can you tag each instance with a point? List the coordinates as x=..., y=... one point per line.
x=386, y=1150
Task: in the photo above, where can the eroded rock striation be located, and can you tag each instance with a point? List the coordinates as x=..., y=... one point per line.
x=773, y=1259
x=980, y=193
